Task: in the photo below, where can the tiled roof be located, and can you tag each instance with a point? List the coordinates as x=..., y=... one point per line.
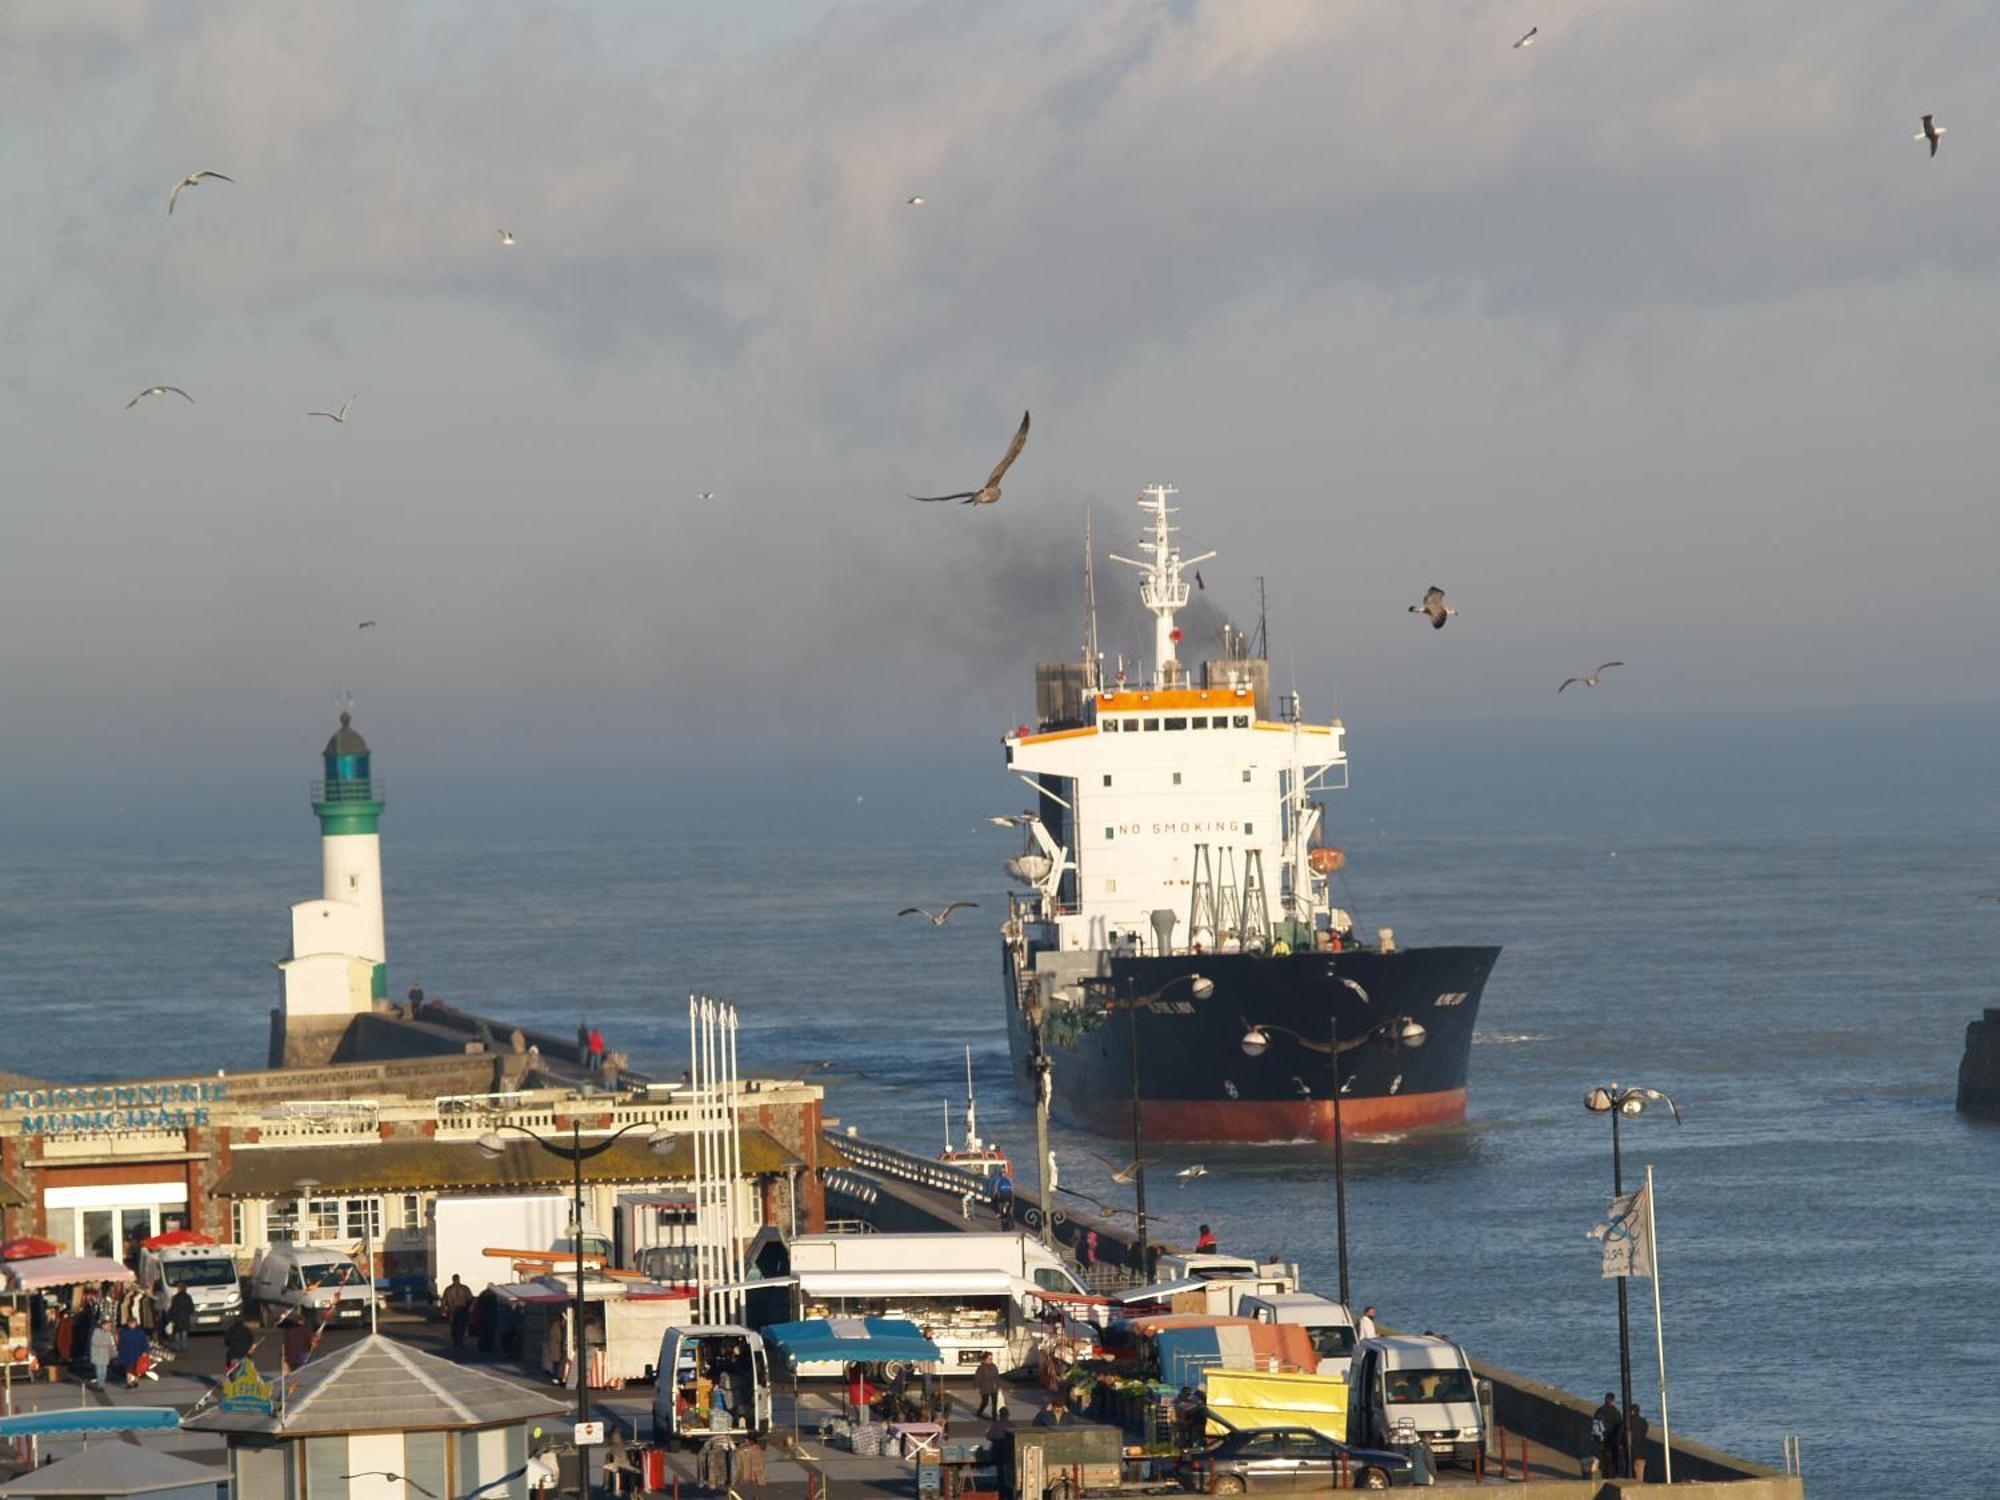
x=406, y=1165
x=379, y=1385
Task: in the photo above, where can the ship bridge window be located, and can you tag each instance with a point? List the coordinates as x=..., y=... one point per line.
x=1201, y=721
x=1107, y=778
x=1109, y=834
x=1177, y=723
x=1177, y=778
x=1243, y=721
x=1109, y=726
x=1221, y=722
x=1246, y=775
x=1152, y=723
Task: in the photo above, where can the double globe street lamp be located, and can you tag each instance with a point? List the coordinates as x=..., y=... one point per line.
x=1616, y=1101
x=493, y=1146
x=1200, y=987
x=1398, y=1031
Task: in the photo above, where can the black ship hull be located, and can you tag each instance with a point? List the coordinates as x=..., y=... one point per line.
x=1196, y=1083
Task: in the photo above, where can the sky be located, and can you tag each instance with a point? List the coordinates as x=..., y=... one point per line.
x=1661, y=341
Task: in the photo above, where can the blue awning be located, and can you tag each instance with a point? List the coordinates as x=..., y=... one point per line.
x=89, y=1419
x=869, y=1340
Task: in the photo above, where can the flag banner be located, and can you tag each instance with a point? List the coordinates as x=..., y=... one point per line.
x=1628, y=1244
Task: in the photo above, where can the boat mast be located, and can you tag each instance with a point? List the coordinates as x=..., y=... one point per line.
x=1093, y=659
x=972, y=1141
x=1161, y=588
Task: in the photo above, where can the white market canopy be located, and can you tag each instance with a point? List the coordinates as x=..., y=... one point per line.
x=46, y=1271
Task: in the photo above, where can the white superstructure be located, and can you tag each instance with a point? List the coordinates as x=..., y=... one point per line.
x=1179, y=795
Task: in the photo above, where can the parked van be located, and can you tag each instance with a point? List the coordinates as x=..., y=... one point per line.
x=1415, y=1386
x=309, y=1276
x=695, y=1361
x=1330, y=1324
x=204, y=1272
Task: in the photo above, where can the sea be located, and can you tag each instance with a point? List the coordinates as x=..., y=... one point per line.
x=1784, y=922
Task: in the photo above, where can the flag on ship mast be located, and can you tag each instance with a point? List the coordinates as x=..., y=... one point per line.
x=1628, y=1235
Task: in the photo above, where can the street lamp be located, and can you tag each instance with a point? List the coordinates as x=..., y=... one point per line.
x=1397, y=1031
x=1201, y=987
x=1615, y=1101
x=492, y=1146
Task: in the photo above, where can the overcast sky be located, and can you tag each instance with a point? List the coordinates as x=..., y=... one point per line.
x=1661, y=340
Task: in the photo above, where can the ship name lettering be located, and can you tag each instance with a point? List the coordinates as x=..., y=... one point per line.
x=1456, y=997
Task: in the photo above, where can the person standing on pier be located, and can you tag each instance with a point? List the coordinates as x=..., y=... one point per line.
x=456, y=1305
x=1205, y=1241
x=1606, y=1423
x=1365, y=1329
x=1641, y=1430
x=597, y=1049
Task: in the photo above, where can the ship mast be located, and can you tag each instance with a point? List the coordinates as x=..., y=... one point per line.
x=1093, y=659
x=1161, y=588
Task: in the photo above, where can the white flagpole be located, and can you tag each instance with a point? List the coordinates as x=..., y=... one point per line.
x=1659, y=1336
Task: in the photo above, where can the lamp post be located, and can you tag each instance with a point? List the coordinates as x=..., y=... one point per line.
x=1201, y=987
x=1398, y=1031
x=493, y=1145
x=1615, y=1101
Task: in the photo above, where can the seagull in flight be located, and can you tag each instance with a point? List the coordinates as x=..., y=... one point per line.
x=1529, y=39
x=916, y=200
x=337, y=416
x=1435, y=607
x=938, y=918
x=706, y=495
x=393, y=1479
x=991, y=490
x=1192, y=1171
x=1932, y=132
x=366, y=625
x=506, y=236
x=1591, y=680
x=1355, y=985
x=192, y=179
x=157, y=390
x=1120, y=1175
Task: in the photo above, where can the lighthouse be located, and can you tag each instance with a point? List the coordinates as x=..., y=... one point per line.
x=338, y=966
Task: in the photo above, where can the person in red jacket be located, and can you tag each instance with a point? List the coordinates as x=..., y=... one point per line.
x=1206, y=1241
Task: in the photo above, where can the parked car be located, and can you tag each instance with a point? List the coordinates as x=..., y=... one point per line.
x=1262, y=1459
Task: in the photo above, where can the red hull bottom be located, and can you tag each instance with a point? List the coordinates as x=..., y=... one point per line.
x=1271, y=1120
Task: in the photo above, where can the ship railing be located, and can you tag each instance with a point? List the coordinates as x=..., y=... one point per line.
x=907, y=1166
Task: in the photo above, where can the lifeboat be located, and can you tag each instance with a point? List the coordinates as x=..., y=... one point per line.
x=1326, y=859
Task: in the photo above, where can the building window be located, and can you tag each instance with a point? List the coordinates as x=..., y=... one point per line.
x=281, y=1220
x=413, y=1211
x=326, y=1219
x=1177, y=723
x=1177, y=778
x=236, y=1236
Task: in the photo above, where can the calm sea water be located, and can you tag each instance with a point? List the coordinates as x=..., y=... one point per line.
x=1796, y=968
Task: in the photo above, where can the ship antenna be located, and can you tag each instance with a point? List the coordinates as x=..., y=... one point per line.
x=1161, y=588
x=1093, y=664
x=1263, y=651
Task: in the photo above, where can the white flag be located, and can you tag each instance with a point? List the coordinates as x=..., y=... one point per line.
x=1628, y=1244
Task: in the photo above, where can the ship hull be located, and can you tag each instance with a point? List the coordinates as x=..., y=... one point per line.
x=1195, y=1082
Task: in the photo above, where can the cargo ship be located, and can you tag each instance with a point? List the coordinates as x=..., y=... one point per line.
x=1174, y=939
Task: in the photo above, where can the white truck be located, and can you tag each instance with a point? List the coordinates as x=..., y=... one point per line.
x=462, y=1230
x=205, y=1272
x=1207, y=1282
x=1330, y=1323
x=1018, y=1255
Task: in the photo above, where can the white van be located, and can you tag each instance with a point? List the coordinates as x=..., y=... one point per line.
x=204, y=1272
x=1415, y=1386
x=694, y=1360
x=1330, y=1324
x=310, y=1276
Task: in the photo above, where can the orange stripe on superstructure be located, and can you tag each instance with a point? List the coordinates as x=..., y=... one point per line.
x=1054, y=734
x=1302, y=728
x=1130, y=702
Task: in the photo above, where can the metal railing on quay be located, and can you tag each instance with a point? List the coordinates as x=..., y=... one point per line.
x=891, y=1161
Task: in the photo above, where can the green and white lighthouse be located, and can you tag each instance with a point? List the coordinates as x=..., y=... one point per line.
x=338, y=966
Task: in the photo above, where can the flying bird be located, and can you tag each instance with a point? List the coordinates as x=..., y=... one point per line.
x=157, y=390
x=1192, y=1171
x=1435, y=607
x=1932, y=132
x=189, y=181
x=938, y=918
x=991, y=491
x=1229, y=1087
x=337, y=416
x=1299, y=1087
x=706, y=495
x=1529, y=39
x=1591, y=680
x=393, y=1479
x=1122, y=1174
x=366, y=625
x=916, y=200
x=506, y=236
x=1355, y=985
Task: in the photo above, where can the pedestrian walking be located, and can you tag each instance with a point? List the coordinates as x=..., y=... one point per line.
x=456, y=1304
x=1365, y=1329
x=1606, y=1425
x=986, y=1380
x=180, y=1320
x=103, y=1345
x=1641, y=1429
x=238, y=1339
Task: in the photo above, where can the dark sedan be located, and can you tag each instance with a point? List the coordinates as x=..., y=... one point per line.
x=1297, y=1458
